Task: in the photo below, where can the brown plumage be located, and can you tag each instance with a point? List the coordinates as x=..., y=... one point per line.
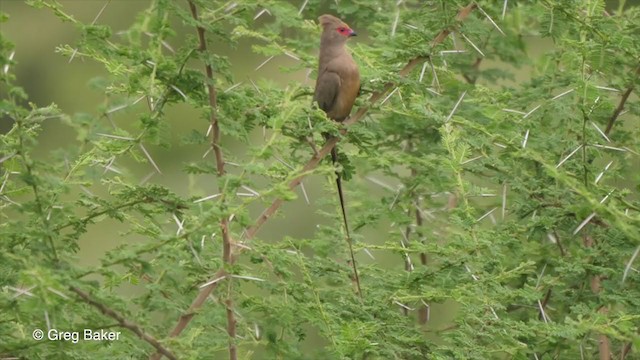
x=337, y=87
x=338, y=80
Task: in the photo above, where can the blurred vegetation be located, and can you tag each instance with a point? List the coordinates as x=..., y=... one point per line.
x=493, y=192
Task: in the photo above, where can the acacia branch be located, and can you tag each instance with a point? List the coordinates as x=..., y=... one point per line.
x=623, y=101
x=626, y=349
x=92, y=215
x=604, y=344
x=227, y=256
x=250, y=232
x=123, y=322
x=215, y=145
x=423, y=311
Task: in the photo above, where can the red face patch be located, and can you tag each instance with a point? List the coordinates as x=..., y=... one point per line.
x=345, y=31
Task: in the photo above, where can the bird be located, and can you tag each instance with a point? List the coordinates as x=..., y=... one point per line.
x=337, y=86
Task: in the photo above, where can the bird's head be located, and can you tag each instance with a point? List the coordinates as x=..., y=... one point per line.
x=335, y=30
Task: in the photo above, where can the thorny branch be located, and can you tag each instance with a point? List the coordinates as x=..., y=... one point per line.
x=250, y=232
x=227, y=256
x=423, y=311
x=604, y=344
x=122, y=321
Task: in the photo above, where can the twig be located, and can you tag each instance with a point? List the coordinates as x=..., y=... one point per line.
x=620, y=107
x=625, y=350
x=28, y=167
x=92, y=215
x=474, y=68
x=476, y=65
x=310, y=165
x=559, y=243
x=408, y=266
x=423, y=310
x=543, y=305
x=604, y=345
x=123, y=322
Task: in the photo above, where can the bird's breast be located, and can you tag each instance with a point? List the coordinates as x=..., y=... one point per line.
x=349, y=88
x=343, y=65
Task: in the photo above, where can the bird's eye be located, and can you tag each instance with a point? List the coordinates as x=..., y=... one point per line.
x=342, y=30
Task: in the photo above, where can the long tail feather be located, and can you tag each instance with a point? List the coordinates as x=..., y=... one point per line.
x=334, y=158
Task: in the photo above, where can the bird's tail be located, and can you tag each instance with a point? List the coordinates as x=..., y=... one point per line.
x=356, y=277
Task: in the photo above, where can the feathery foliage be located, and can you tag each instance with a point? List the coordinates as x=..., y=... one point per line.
x=510, y=204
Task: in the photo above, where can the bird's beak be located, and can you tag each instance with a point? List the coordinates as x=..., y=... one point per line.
x=352, y=33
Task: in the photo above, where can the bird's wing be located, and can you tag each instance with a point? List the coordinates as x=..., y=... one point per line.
x=327, y=87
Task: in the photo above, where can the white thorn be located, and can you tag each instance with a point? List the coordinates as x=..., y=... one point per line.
x=212, y=281
x=562, y=94
x=455, y=107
